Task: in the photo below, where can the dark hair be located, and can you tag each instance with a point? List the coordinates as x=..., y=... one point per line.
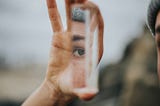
x=153, y=9
x=78, y=15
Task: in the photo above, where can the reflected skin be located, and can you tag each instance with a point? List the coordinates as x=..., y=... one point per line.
x=78, y=56
x=66, y=56
x=76, y=63
x=79, y=53
x=157, y=39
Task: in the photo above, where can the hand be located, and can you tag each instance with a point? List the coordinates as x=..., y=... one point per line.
x=61, y=68
x=65, y=68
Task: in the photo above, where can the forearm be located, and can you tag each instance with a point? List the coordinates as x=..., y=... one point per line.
x=44, y=96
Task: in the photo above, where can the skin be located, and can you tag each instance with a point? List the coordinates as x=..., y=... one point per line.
x=157, y=39
x=66, y=63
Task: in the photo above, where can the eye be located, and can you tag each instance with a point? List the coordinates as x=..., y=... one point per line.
x=78, y=52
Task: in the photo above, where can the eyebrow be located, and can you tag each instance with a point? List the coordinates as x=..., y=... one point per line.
x=77, y=38
x=157, y=29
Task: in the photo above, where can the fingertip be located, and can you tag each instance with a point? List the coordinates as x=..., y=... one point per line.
x=86, y=94
x=87, y=97
x=51, y=3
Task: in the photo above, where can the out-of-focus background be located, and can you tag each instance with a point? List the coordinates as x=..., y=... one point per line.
x=128, y=74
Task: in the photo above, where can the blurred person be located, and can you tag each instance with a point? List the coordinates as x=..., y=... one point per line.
x=62, y=75
x=153, y=19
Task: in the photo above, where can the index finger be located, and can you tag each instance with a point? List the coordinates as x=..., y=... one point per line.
x=54, y=16
x=68, y=14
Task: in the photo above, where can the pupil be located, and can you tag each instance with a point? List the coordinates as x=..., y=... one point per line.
x=81, y=52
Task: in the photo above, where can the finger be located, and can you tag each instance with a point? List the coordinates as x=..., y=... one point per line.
x=68, y=14
x=60, y=53
x=93, y=11
x=86, y=93
x=94, y=23
x=54, y=16
x=100, y=33
x=96, y=19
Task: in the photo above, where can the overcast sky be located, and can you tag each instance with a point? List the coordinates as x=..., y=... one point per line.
x=25, y=31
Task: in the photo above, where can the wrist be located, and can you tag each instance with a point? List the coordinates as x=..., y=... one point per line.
x=55, y=94
x=51, y=90
x=45, y=95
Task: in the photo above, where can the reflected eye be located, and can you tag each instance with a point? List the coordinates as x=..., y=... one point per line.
x=78, y=52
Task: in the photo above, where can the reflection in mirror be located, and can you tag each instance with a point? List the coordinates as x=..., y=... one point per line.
x=85, y=48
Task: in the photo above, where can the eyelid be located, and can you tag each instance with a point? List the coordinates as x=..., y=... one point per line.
x=77, y=47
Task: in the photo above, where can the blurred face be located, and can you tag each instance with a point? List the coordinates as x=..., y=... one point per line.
x=157, y=39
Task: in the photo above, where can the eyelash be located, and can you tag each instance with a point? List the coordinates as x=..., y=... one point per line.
x=76, y=52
